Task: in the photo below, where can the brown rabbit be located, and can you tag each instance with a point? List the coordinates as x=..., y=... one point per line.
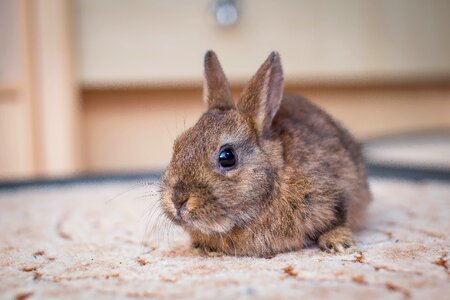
x=264, y=174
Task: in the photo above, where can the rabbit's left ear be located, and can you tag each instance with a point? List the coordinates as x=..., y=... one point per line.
x=261, y=98
x=216, y=89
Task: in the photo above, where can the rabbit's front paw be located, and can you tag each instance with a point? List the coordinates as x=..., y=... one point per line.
x=337, y=240
x=205, y=251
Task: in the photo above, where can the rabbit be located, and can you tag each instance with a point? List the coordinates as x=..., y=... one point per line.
x=265, y=174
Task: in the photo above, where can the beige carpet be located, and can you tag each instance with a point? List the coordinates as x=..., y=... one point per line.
x=85, y=241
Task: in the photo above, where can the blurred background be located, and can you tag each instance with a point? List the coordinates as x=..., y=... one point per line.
x=104, y=86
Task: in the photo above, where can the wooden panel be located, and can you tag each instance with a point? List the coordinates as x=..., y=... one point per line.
x=38, y=101
x=372, y=112
x=134, y=129
x=15, y=145
x=9, y=41
x=16, y=151
x=153, y=42
x=56, y=116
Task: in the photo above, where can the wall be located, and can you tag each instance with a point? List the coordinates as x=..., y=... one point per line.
x=135, y=129
x=106, y=85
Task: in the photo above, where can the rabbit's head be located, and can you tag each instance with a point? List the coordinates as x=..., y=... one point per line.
x=222, y=172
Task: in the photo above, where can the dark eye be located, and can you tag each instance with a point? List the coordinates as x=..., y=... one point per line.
x=227, y=158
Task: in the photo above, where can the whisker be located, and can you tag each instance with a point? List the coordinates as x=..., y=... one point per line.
x=140, y=184
x=153, y=214
x=160, y=219
x=146, y=226
x=168, y=229
x=153, y=220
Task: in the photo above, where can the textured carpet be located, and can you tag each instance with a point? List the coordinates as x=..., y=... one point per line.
x=107, y=240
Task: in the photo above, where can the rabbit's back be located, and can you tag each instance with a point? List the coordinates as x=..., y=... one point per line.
x=324, y=152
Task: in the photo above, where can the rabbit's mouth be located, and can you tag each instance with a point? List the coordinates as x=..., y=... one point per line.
x=216, y=226
x=206, y=224
x=197, y=210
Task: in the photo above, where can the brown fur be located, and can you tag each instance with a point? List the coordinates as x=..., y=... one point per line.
x=299, y=175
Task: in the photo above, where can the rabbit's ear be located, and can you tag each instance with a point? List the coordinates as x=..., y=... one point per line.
x=216, y=89
x=261, y=98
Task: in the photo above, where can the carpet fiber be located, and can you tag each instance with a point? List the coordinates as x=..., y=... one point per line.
x=110, y=240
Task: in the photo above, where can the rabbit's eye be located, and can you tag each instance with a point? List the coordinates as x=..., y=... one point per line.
x=227, y=158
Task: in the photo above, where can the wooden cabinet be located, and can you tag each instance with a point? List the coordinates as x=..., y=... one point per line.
x=38, y=103
x=153, y=42
x=16, y=139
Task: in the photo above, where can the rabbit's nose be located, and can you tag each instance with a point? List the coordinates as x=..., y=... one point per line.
x=180, y=206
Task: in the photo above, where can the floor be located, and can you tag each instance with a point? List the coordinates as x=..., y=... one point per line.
x=108, y=240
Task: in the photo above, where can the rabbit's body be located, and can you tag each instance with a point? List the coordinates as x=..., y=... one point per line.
x=298, y=176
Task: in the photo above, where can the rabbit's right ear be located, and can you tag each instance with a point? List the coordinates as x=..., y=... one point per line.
x=261, y=98
x=216, y=89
